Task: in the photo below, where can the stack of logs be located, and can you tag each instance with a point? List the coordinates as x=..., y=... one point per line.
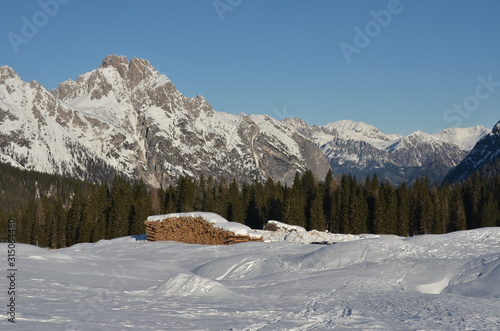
x=192, y=230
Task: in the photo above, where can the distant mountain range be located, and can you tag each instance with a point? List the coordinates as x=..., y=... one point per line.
x=125, y=117
x=361, y=149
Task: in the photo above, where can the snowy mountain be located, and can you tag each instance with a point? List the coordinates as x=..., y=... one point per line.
x=362, y=149
x=126, y=117
x=464, y=138
x=35, y=132
x=428, y=282
x=485, y=157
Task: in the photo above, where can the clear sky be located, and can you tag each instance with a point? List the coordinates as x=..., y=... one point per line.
x=399, y=65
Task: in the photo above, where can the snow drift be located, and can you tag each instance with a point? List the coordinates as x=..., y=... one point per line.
x=430, y=282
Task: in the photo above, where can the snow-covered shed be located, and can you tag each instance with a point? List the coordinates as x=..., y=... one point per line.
x=198, y=228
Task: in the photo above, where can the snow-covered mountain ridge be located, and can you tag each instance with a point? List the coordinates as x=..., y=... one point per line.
x=362, y=149
x=126, y=117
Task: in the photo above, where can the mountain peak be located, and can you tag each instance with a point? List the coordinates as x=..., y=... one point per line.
x=464, y=138
x=296, y=121
x=418, y=133
x=353, y=126
x=7, y=72
x=360, y=131
x=134, y=70
x=115, y=61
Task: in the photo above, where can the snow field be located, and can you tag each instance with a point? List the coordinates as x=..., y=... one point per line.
x=431, y=282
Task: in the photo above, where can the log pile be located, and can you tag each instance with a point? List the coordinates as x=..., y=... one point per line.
x=192, y=230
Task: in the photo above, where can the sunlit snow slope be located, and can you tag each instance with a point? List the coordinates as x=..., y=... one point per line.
x=431, y=282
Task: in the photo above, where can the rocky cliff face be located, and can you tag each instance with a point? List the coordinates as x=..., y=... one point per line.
x=126, y=117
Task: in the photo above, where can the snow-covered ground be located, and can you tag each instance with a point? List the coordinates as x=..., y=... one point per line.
x=431, y=282
x=297, y=234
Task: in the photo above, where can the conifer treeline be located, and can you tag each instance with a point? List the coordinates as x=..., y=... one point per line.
x=345, y=205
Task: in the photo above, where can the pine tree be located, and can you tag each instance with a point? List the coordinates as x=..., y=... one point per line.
x=441, y=197
x=209, y=196
x=403, y=227
x=422, y=209
x=329, y=200
x=489, y=213
x=141, y=207
x=185, y=194
x=87, y=219
x=200, y=202
x=273, y=204
x=253, y=217
x=74, y=217
x=157, y=196
x=472, y=197
x=53, y=218
x=121, y=205
x=458, y=218
x=309, y=187
x=334, y=225
x=295, y=203
x=26, y=225
x=345, y=200
x=40, y=223
x=359, y=211
x=390, y=209
x=377, y=208
x=102, y=203
x=60, y=217
x=316, y=212
x=496, y=193
x=221, y=198
x=372, y=195
x=235, y=211
x=170, y=203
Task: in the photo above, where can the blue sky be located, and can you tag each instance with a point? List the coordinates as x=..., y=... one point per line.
x=399, y=65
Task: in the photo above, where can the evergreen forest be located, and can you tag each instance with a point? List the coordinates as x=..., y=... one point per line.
x=53, y=211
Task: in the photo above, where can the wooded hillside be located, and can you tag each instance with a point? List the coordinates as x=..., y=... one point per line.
x=56, y=212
